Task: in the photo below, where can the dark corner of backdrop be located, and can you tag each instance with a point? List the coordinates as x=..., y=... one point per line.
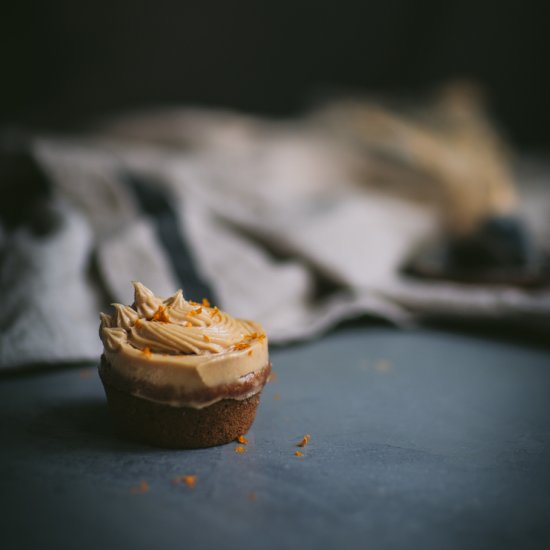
x=66, y=63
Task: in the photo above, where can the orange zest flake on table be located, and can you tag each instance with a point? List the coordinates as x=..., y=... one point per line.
x=298, y=453
x=141, y=487
x=146, y=351
x=242, y=439
x=240, y=449
x=304, y=441
x=161, y=315
x=188, y=480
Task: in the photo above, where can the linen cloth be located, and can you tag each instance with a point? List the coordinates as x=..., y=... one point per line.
x=264, y=218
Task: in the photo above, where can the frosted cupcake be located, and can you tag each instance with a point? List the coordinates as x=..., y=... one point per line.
x=181, y=374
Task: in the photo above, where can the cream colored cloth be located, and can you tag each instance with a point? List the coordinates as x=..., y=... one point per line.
x=275, y=223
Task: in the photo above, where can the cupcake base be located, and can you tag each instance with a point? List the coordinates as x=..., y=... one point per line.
x=180, y=427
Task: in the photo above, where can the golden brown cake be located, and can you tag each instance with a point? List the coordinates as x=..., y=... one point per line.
x=181, y=374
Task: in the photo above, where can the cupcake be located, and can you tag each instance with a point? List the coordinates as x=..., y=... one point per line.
x=181, y=374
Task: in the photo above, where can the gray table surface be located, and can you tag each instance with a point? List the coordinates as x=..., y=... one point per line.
x=421, y=439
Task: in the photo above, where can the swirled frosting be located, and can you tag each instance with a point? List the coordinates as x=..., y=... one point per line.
x=181, y=352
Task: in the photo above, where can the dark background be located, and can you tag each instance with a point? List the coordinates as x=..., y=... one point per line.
x=66, y=63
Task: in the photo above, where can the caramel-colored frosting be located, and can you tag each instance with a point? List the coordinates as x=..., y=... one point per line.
x=181, y=352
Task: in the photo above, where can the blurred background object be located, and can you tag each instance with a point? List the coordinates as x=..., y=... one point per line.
x=444, y=151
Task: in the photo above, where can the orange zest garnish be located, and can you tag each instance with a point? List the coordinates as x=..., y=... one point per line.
x=241, y=345
x=240, y=449
x=298, y=453
x=146, y=351
x=206, y=338
x=189, y=324
x=137, y=324
x=205, y=302
x=249, y=352
x=141, y=487
x=255, y=336
x=161, y=315
x=242, y=439
x=305, y=441
x=214, y=312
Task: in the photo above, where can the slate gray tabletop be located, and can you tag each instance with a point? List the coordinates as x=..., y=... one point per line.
x=420, y=439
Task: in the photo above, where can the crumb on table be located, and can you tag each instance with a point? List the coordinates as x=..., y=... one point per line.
x=383, y=365
x=141, y=487
x=189, y=480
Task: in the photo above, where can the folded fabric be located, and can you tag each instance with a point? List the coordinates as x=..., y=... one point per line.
x=261, y=219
